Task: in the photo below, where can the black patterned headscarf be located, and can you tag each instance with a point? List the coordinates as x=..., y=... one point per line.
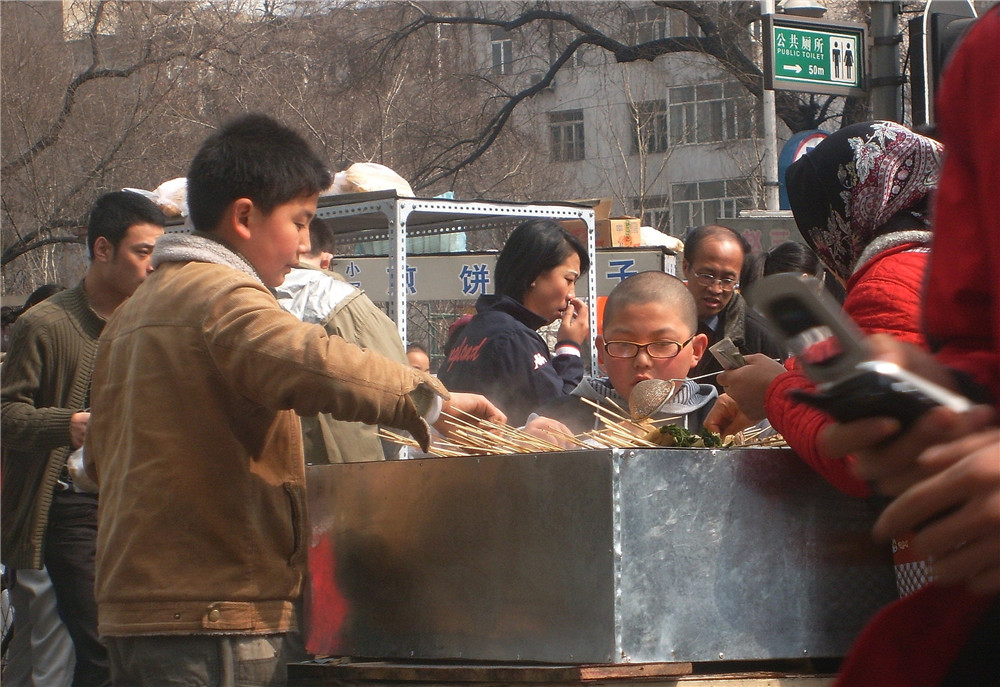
x=845, y=190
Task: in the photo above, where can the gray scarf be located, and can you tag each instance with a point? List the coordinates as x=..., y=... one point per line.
x=198, y=247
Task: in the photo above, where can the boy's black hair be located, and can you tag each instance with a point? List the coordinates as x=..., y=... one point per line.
x=652, y=287
x=255, y=157
x=113, y=214
x=698, y=235
x=535, y=246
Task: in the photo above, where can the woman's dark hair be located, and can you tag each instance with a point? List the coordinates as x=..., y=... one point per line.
x=534, y=247
x=792, y=256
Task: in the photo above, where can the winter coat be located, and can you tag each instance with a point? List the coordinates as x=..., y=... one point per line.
x=748, y=331
x=325, y=298
x=197, y=447
x=883, y=296
x=501, y=355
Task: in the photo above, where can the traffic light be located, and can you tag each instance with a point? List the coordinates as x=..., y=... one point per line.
x=933, y=37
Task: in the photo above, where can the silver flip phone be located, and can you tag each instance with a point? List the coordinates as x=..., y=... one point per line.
x=831, y=350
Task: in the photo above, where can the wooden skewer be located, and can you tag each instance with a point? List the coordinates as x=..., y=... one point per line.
x=616, y=418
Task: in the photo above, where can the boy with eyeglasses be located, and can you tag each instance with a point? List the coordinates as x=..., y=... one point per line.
x=649, y=332
x=713, y=259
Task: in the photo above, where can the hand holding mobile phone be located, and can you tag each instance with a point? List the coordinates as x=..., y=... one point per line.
x=831, y=351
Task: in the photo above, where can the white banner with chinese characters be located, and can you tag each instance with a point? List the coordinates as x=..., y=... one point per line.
x=470, y=275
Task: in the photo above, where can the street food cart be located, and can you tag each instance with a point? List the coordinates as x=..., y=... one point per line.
x=629, y=563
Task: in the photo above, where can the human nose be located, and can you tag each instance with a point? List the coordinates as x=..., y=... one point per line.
x=642, y=358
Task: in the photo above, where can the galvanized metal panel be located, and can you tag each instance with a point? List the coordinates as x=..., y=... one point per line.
x=742, y=555
x=495, y=558
x=590, y=557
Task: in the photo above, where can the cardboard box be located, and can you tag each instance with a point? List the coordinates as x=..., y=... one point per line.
x=611, y=232
x=577, y=227
x=618, y=231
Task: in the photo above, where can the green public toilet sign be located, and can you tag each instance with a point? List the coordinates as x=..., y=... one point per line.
x=815, y=57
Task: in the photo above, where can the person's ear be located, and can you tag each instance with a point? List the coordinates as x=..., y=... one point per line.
x=684, y=267
x=103, y=250
x=699, y=344
x=599, y=342
x=240, y=217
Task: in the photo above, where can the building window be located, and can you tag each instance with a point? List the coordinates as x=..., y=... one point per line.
x=710, y=113
x=503, y=52
x=650, y=24
x=657, y=23
x=706, y=202
x=650, y=127
x=654, y=211
x=705, y=113
x=566, y=134
x=683, y=24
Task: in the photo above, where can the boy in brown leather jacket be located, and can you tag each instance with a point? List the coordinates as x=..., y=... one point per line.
x=195, y=440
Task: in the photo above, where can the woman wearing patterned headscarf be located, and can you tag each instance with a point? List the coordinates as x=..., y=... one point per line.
x=862, y=191
x=860, y=199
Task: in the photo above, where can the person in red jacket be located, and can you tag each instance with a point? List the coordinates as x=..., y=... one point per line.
x=944, y=471
x=860, y=199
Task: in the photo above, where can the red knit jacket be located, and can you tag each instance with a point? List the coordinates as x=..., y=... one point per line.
x=882, y=297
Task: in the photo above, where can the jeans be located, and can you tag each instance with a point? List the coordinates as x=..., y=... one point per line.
x=41, y=651
x=70, y=548
x=198, y=661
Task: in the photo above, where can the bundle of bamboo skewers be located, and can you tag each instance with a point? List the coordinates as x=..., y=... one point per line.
x=470, y=436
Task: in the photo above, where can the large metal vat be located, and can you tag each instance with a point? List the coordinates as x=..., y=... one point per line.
x=602, y=556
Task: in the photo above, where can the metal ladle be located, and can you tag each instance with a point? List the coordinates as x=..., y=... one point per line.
x=648, y=395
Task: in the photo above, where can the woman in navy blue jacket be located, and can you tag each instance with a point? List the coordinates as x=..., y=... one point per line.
x=499, y=353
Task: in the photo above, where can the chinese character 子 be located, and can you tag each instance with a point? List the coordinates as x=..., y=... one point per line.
x=624, y=270
x=475, y=278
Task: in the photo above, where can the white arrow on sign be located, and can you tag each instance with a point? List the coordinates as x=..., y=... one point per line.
x=792, y=67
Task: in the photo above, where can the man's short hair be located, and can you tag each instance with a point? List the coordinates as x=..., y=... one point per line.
x=698, y=235
x=652, y=287
x=321, y=237
x=113, y=214
x=255, y=157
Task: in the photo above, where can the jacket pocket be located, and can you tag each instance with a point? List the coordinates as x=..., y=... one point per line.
x=297, y=512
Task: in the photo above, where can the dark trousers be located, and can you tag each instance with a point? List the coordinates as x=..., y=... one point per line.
x=70, y=548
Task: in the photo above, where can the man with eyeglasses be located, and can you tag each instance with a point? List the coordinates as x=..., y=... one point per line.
x=713, y=258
